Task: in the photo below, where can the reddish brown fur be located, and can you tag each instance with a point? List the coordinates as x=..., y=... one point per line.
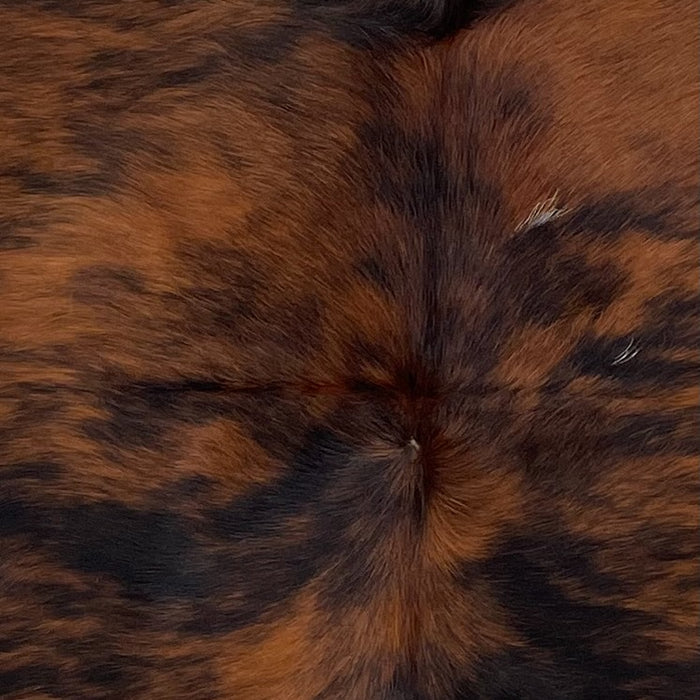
x=293, y=405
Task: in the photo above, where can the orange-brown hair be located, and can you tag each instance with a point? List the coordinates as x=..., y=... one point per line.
x=349, y=350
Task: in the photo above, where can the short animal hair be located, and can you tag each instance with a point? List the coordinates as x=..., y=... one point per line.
x=349, y=350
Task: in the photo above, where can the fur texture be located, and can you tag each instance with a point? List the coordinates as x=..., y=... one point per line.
x=349, y=350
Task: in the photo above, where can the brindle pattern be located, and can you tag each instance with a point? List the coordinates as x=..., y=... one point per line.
x=291, y=406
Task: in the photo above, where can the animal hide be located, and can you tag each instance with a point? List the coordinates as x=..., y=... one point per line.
x=349, y=350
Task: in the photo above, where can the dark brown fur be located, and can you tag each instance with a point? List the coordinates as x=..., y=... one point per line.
x=294, y=405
